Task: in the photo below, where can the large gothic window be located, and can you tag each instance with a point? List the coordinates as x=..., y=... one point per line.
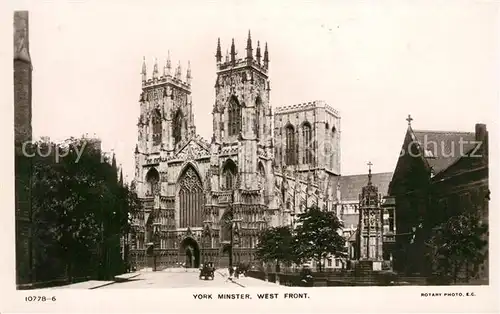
x=234, y=113
x=156, y=127
x=307, y=140
x=191, y=199
x=177, y=126
x=229, y=175
x=152, y=182
x=290, y=155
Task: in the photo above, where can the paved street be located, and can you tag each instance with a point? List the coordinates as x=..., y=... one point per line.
x=180, y=278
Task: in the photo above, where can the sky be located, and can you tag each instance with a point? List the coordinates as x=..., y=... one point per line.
x=374, y=62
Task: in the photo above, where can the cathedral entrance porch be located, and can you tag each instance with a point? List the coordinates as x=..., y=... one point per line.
x=190, y=253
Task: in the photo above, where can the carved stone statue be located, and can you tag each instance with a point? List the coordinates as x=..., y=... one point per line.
x=157, y=188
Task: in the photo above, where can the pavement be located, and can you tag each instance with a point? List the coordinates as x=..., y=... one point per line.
x=94, y=284
x=249, y=282
x=171, y=278
x=90, y=284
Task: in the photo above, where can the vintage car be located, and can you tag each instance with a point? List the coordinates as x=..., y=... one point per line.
x=207, y=271
x=306, y=277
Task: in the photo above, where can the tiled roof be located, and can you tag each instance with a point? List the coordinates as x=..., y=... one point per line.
x=350, y=186
x=442, y=148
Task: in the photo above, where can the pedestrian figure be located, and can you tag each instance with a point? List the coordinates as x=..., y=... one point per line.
x=229, y=277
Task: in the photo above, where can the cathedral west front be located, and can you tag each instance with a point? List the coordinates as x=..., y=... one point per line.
x=207, y=201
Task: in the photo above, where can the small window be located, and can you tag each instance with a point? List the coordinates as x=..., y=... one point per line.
x=329, y=262
x=290, y=156
x=337, y=262
x=307, y=142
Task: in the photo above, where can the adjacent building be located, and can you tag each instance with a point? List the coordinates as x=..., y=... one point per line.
x=439, y=174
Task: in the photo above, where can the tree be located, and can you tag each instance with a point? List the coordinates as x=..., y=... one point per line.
x=458, y=243
x=275, y=245
x=316, y=236
x=79, y=207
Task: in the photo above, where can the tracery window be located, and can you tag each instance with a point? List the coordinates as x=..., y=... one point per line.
x=229, y=175
x=156, y=127
x=191, y=199
x=177, y=126
x=290, y=155
x=307, y=157
x=234, y=117
x=152, y=179
x=258, y=112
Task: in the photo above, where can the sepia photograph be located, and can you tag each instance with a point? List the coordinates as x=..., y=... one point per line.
x=279, y=148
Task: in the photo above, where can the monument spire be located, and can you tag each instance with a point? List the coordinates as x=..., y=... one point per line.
x=369, y=172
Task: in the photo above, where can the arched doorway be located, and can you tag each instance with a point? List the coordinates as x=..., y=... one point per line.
x=190, y=252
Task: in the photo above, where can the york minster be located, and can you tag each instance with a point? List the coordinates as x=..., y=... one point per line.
x=202, y=200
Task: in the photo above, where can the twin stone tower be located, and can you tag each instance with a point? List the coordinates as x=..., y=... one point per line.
x=208, y=201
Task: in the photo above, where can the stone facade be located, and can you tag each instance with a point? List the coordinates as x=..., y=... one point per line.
x=314, y=144
x=202, y=200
